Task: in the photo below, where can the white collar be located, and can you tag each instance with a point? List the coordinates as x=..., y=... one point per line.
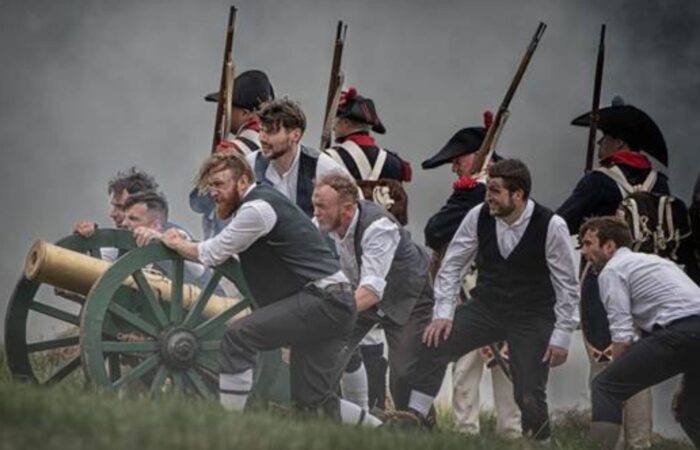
x=524, y=216
x=293, y=167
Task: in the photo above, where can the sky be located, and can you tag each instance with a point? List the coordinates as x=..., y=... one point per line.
x=88, y=88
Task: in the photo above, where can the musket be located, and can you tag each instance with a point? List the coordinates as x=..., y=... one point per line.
x=501, y=362
x=335, y=85
x=485, y=152
x=593, y=127
x=222, y=120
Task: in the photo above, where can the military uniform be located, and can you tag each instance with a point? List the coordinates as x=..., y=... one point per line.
x=250, y=89
x=378, y=171
x=598, y=194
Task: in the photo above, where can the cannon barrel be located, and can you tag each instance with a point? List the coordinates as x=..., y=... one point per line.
x=78, y=272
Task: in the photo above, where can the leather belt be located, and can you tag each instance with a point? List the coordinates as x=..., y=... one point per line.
x=338, y=287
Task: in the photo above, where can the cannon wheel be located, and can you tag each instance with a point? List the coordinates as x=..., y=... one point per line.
x=176, y=348
x=24, y=301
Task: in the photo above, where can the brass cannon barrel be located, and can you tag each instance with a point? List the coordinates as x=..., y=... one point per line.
x=78, y=272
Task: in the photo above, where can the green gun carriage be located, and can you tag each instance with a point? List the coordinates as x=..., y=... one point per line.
x=135, y=323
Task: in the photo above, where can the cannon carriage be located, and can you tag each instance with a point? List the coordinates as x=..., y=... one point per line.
x=134, y=323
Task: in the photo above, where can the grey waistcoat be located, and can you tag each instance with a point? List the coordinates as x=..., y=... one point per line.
x=290, y=256
x=407, y=280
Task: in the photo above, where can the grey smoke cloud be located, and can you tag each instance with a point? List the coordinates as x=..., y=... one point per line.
x=89, y=88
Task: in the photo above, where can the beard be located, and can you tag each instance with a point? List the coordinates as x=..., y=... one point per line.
x=330, y=225
x=501, y=210
x=226, y=207
x=272, y=151
x=598, y=263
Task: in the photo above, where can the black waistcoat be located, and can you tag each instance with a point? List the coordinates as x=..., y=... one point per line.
x=522, y=280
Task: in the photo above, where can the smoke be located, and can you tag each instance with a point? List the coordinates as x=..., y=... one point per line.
x=94, y=87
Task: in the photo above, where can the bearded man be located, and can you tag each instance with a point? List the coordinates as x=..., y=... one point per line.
x=304, y=300
x=526, y=294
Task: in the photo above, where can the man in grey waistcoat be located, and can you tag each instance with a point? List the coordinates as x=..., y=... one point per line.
x=388, y=271
x=309, y=306
x=283, y=162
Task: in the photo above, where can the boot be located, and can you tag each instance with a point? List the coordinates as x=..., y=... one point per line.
x=605, y=434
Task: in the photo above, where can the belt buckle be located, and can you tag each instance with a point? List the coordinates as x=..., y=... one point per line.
x=338, y=287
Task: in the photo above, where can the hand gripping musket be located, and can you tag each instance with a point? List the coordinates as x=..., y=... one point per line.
x=228, y=72
x=335, y=85
x=485, y=152
x=593, y=127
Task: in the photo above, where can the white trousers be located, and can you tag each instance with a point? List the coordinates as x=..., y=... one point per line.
x=466, y=379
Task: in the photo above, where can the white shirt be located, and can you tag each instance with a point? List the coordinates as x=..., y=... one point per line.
x=561, y=262
x=253, y=220
x=379, y=243
x=640, y=290
x=286, y=183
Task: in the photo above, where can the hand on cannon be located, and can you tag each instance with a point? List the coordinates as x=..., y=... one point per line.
x=143, y=235
x=85, y=228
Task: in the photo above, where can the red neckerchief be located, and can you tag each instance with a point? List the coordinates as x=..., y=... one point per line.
x=252, y=124
x=226, y=146
x=361, y=138
x=464, y=183
x=628, y=158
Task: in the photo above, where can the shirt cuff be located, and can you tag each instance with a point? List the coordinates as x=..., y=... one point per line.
x=444, y=310
x=374, y=284
x=624, y=336
x=560, y=338
x=204, y=255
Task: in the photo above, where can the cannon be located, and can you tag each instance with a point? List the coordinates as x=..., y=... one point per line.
x=136, y=322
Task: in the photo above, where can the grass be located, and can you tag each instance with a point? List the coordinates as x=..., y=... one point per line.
x=70, y=416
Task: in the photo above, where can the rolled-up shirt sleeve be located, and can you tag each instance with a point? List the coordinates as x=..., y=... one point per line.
x=379, y=243
x=253, y=220
x=614, y=293
x=459, y=255
x=561, y=261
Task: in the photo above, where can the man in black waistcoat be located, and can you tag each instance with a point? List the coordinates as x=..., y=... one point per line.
x=526, y=294
x=308, y=306
x=469, y=191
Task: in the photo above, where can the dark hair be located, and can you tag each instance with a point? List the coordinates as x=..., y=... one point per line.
x=155, y=202
x=515, y=175
x=221, y=161
x=342, y=184
x=131, y=180
x=282, y=112
x=608, y=228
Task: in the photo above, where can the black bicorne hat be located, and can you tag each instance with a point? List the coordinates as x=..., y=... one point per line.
x=359, y=109
x=464, y=142
x=633, y=126
x=250, y=89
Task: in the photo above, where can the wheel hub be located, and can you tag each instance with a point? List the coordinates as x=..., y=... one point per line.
x=179, y=348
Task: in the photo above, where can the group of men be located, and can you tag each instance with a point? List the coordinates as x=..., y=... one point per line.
x=328, y=225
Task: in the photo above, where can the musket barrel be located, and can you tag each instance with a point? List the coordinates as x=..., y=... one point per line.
x=77, y=272
x=597, y=86
x=483, y=155
x=221, y=120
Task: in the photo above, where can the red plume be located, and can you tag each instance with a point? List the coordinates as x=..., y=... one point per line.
x=488, y=119
x=345, y=96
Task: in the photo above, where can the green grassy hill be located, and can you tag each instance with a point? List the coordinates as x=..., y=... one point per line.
x=71, y=417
